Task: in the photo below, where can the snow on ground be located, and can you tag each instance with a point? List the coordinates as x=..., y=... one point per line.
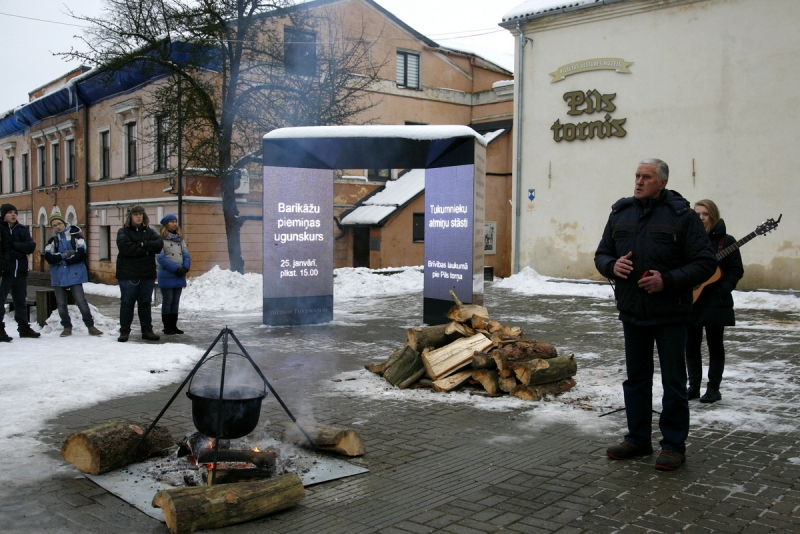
x=42, y=378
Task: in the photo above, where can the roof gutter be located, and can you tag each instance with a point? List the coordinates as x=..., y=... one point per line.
x=559, y=10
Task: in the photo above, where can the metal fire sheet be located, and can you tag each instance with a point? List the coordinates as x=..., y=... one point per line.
x=137, y=484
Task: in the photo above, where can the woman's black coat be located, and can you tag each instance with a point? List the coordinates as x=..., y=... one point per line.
x=715, y=305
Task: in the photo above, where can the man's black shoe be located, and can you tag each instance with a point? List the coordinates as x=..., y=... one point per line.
x=711, y=395
x=26, y=331
x=626, y=450
x=693, y=392
x=669, y=460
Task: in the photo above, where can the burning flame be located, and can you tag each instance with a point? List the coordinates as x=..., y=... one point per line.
x=255, y=449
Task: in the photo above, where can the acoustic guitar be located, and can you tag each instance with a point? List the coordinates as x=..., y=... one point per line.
x=762, y=229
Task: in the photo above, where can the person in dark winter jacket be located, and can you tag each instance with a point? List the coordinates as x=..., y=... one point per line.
x=713, y=310
x=15, y=271
x=656, y=250
x=173, y=264
x=137, y=246
x=66, y=254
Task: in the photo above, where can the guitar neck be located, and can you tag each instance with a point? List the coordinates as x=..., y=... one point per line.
x=733, y=248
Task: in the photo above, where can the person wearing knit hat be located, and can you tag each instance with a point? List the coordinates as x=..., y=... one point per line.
x=173, y=264
x=137, y=246
x=66, y=254
x=15, y=271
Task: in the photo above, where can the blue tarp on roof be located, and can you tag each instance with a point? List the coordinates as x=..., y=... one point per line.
x=98, y=85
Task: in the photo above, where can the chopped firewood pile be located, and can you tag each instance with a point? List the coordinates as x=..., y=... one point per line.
x=473, y=350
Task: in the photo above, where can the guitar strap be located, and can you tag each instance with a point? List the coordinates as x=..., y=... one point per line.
x=721, y=244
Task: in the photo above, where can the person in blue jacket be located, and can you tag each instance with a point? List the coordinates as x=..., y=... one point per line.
x=66, y=254
x=15, y=271
x=173, y=264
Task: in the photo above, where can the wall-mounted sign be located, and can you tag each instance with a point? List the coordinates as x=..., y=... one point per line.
x=586, y=103
x=600, y=63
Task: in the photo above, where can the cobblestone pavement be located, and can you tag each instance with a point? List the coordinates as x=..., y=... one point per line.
x=454, y=467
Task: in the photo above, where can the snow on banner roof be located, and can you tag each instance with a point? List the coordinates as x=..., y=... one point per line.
x=532, y=8
x=368, y=215
x=397, y=193
x=412, y=132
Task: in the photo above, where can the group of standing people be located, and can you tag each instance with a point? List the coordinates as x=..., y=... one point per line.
x=144, y=256
x=657, y=249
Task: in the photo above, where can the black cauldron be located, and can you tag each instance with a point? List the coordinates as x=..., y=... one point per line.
x=241, y=408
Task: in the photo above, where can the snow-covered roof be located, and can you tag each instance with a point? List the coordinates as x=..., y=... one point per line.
x=382, y=205
x=413, y=132
x=491, y=136
x=533, y=8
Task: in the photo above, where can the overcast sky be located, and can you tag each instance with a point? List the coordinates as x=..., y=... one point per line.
x=31, y=30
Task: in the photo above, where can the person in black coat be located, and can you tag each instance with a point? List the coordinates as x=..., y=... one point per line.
x=15, y=271
x=655, y=249
x=137, y=246
x=713, y=309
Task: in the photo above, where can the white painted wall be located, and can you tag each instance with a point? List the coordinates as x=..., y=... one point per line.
x=714, y=81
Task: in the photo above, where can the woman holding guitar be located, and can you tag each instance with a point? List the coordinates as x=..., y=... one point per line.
x=713, y=309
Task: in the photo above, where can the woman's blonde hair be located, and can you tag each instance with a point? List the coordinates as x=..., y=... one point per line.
x=163, y=231
x=713, y=213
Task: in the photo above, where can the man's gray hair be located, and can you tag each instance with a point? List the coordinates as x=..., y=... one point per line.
x=662, y=169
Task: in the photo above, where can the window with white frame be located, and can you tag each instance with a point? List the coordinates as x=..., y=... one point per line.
x=104, y=237
x=42, y=166
x=70, y=168
x=11, y=174
x=105, y=155
x=55, y=159
x=130, y=148
x=407, y=70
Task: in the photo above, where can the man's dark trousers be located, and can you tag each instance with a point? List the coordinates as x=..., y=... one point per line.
x=670, y=339
x=18, y=287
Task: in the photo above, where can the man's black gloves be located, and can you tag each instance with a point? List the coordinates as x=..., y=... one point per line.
x=180, y=271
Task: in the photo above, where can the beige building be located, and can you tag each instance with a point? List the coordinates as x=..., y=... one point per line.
x=709, y=86
x=91, y=152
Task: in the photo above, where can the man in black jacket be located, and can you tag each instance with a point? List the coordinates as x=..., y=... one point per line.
x=656, y=250
x=15, y=271
x=138, y=245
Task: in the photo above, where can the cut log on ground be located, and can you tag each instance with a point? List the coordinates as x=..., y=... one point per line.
x=507, y=384
x=196, y=508
x=488, y=379
x=483, y=360
x=462, y=313
x=444, y=361
x=406, y=365
x=262, y=459
x=342, y=440
x=536, y=393
x=493, y=326
x=522, y=351
x=479, y=323
x=232, y=476
x=412, y=379
x=113, y=445
x=423, y=337
x=451, y=382
x=376, y=368
x=543, y=371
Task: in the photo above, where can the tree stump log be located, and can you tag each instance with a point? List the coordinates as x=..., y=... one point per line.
x=113, y=445
x=329, y=438
x=451, y=382
x=405, y=366
x=423, y=337
x=521, y=351
x=196, y=508
x=536, y=393
x=535, y=372
x=483, y=360
x=488, y=379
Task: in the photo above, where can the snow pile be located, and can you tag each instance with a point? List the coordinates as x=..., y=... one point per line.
x=529, y=282
x=42, y=378
x=360, y=282
x=224, y=290
x=763, y=300
x=104, y=290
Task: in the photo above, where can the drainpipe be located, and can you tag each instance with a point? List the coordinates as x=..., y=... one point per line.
x=85, y=163
x=518, y=208
x=180, y=155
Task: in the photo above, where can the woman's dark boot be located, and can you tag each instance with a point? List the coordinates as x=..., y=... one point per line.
x=169, y=329
x=711, y=395
x=175, y=328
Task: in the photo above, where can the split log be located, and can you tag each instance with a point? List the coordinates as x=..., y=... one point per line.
x=262, y=459
x=488, y=379
x=113, y=445
x=512, y=331
x=462, y=313
x=507, y=384
x=403, y=367
x=376, y=368
x=501, y=340
x=535, y=372
x=342, y=440
x=483, y=360
x=196, y=508
x=423, y=337
x=413, y=379
x=506, y=373
x=538, y=392
x=446, y=360
x=493, y=326
x=456, y=330
x=522, y=351
x=232, y=476
x=424, y=383
x=451, y=382
x=479, y=323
